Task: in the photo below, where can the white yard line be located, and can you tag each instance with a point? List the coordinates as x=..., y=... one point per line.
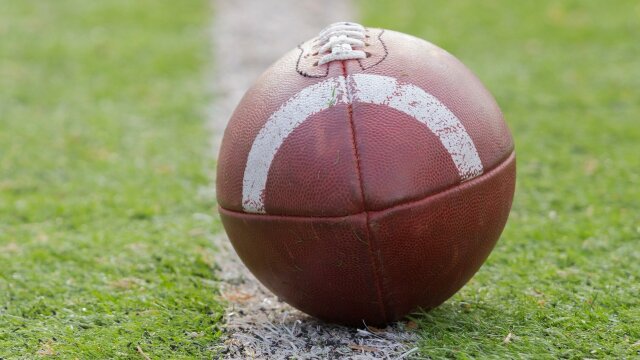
x=249, y=35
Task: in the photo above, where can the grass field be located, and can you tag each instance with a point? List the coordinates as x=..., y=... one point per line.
x=105, y=217
x=104, y=242
x=564, y=279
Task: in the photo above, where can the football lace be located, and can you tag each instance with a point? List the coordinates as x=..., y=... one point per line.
x=342, y=41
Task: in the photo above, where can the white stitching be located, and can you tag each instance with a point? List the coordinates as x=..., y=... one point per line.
x=341, y=38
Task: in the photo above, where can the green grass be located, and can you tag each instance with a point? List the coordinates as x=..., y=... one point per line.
x=104, y=232
x=105, y=229
x=564, y=279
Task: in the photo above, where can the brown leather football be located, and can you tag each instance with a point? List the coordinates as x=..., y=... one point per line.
x=366, y=174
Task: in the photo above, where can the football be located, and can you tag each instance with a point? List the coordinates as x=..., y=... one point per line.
x=365, y=175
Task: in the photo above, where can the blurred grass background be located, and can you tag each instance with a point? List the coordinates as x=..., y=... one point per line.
x=104, y=237
x=564, y=280
x=105, y=221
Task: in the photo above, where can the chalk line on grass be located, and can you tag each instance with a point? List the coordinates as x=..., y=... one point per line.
x=248, y=36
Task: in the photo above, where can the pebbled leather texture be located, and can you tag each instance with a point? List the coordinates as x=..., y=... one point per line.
x=366, y=216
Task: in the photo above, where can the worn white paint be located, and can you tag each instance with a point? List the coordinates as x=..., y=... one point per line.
x=363, y=88
x=424, y=107
x=296, y=110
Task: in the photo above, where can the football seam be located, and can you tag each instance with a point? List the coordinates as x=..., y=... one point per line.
x=376, y=261
x=498, y=167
